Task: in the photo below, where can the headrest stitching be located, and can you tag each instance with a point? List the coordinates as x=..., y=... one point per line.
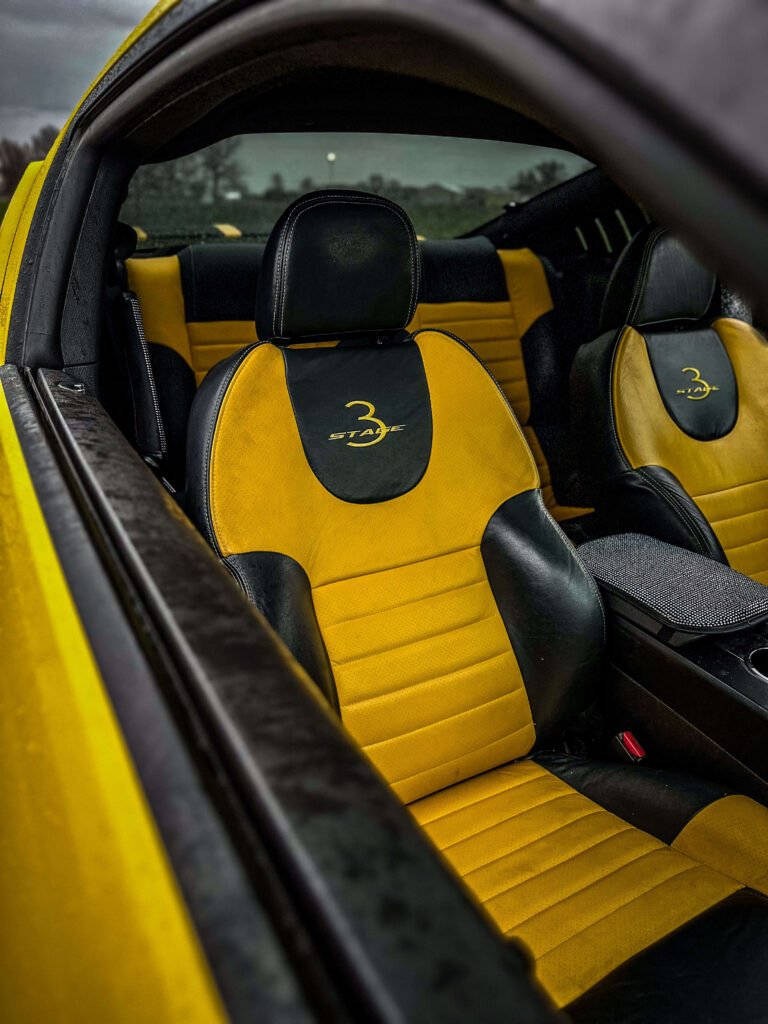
x=287, y=239
x=642, y=277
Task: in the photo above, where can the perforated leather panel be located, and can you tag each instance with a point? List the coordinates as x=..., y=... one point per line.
x=435, y=624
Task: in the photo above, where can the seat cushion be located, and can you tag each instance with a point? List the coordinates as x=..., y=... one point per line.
x=582, y=888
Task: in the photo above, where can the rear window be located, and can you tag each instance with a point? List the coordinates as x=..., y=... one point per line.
x=237, y=188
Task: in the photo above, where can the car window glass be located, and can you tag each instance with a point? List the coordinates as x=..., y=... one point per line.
x=237, y=188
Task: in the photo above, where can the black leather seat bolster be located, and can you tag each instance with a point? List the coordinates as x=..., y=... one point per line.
x=279, y=587
x=642, y=500
x=656, y=800
x=650, y=499
x=550, y=608
x=175, y=393
x=202, y=424
x=600, y=453
x=547, y=357
x=714, y=969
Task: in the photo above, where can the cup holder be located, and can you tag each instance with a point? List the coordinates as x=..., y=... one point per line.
x=758, y=662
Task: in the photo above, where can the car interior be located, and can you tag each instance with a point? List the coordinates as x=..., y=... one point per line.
x=493, y=479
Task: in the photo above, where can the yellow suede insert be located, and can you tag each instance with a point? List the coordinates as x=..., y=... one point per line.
x=731, y=835
x=580, y=887
x=157, y=284
x=727, y=477
x=446, y=656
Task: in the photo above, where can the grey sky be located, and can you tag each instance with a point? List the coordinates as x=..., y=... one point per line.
x=50, y=52
x=412, y=160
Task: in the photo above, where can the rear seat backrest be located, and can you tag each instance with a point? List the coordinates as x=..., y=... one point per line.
x=500, y=303
x=200, y=304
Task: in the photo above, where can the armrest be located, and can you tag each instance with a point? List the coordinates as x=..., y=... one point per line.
x=671, y=591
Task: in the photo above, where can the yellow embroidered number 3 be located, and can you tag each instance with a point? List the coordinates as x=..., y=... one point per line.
x=371, y=419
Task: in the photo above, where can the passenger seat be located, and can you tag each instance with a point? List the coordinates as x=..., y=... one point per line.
x=670, y=406
x=378, y=503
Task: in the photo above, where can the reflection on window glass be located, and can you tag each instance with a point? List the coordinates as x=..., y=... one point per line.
x=237, y=188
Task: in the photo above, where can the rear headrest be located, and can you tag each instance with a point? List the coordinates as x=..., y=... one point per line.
x=656, y=279
x=338, y=262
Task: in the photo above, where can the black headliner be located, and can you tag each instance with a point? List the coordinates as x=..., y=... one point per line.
x=358, y=100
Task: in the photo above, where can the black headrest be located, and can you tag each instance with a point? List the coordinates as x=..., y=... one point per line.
x=338, y=262
x=656, y=279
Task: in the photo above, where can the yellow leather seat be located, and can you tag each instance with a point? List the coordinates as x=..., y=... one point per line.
x=378, y=503
x=670, y=408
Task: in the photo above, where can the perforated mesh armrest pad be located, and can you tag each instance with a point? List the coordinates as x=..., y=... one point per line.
x=681, y=589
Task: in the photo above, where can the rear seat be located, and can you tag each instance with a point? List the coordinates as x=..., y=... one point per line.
x=199, y=303
x=198, y=308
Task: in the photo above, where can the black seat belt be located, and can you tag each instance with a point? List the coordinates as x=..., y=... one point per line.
x=128, y=328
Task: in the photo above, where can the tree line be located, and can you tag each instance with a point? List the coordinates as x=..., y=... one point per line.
x=216, y=173
x=15, y=156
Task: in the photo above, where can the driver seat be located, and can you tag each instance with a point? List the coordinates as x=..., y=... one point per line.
x=377, y=502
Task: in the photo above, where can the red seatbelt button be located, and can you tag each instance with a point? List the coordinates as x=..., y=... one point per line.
x=628, y=748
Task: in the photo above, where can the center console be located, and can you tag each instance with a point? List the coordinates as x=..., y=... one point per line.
x=688, y=656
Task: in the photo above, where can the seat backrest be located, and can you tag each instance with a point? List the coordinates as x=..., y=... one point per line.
x=380, y=506
x=198, y=302
x=199, y=305
x=672, y=411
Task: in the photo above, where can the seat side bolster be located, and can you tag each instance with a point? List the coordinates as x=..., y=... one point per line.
x=550, y=608
x=599, y=450
x=656, y=800
x=712, y=968
x=200, y=432
x=547, y=360
x=280, y=589
x=650, y=499
x=732, y=836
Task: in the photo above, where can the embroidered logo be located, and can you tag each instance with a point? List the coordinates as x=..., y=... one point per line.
x=373, y=436
x=701, y=390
